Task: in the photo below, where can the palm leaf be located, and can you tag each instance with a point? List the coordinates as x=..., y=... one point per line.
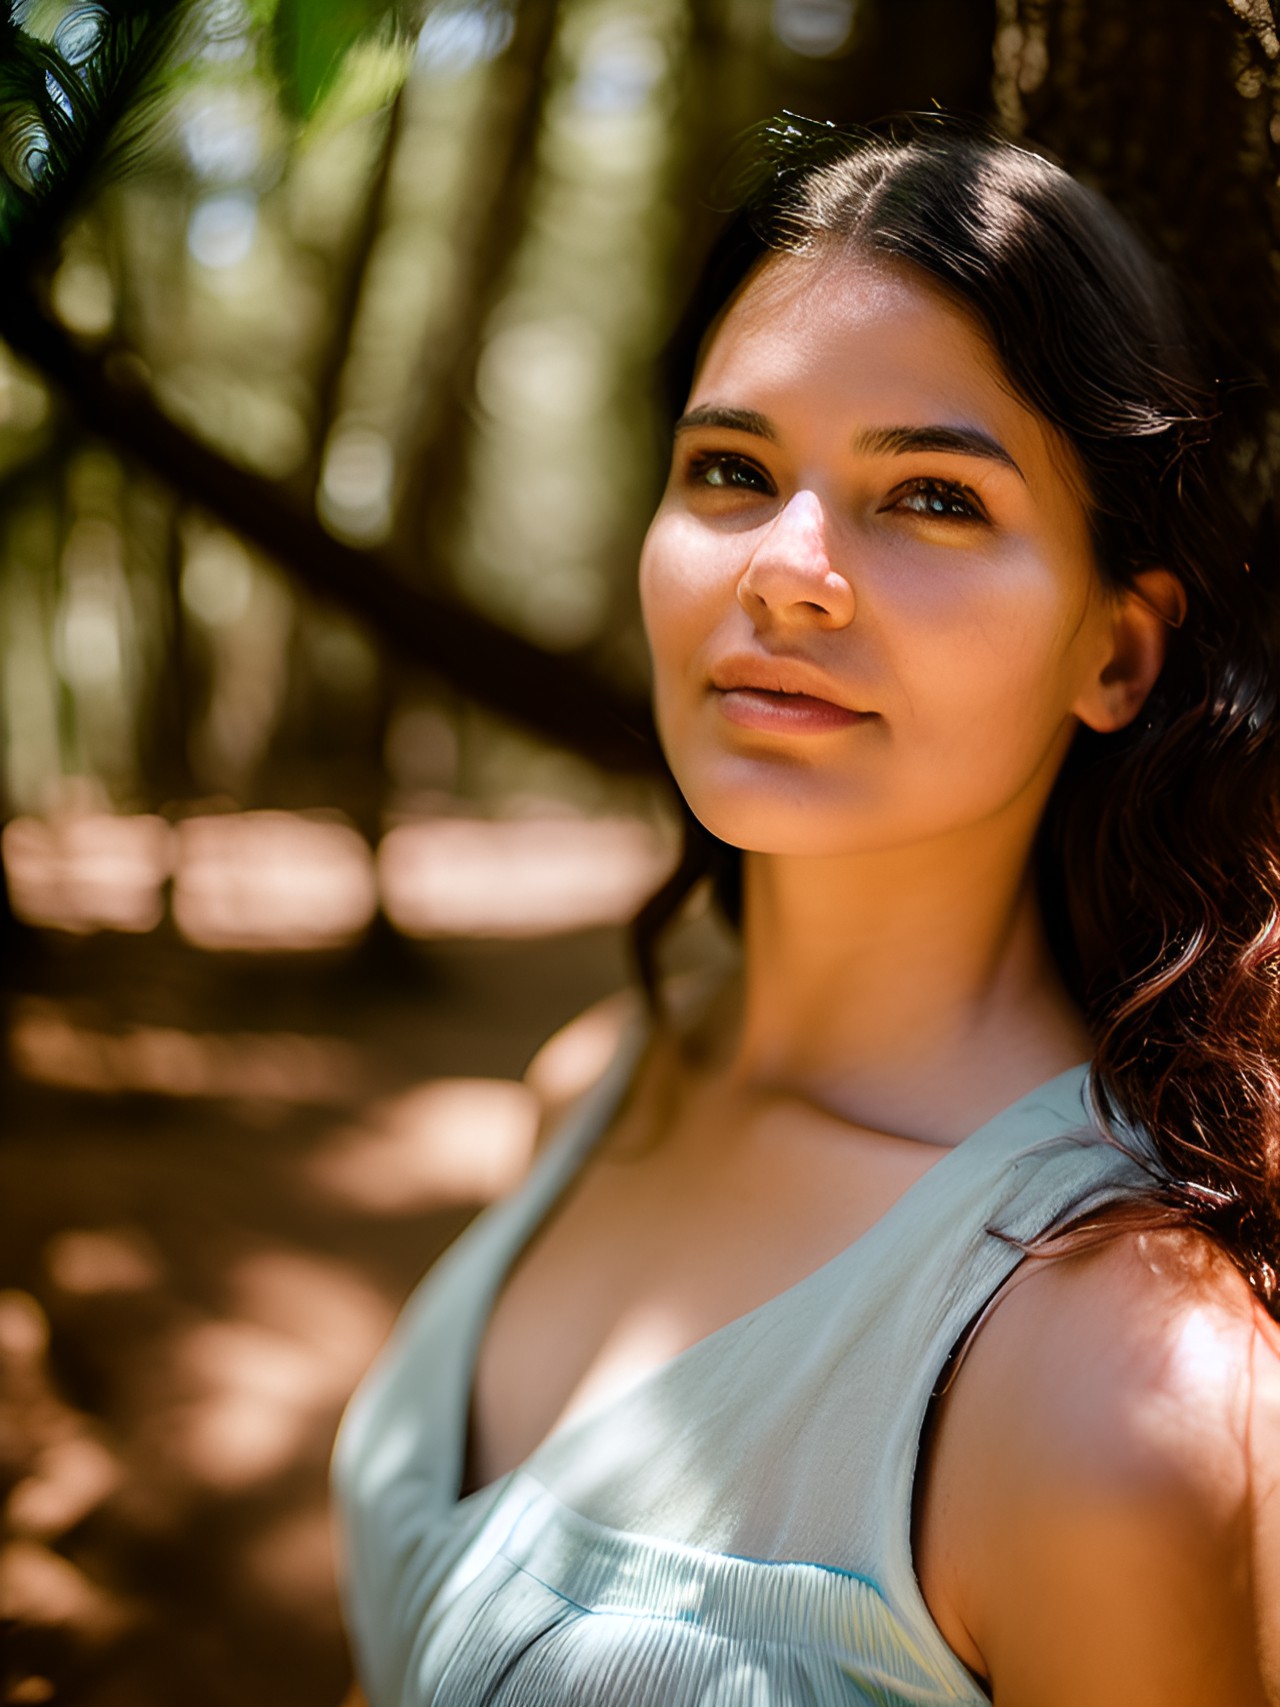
x=78, y=109
x=310, y=40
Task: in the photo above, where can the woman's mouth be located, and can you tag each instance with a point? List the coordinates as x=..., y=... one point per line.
x=785, y=713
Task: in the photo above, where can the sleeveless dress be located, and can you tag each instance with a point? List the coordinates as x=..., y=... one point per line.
x=735, y=1529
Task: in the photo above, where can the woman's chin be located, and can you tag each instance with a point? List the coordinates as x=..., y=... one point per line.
x=783, y=827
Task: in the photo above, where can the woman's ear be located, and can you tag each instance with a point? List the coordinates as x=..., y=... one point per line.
x=1142, y=615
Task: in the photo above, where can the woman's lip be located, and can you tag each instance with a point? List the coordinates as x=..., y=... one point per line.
x=785, y=713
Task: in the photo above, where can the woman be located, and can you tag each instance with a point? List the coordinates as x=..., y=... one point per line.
x=890, y=1322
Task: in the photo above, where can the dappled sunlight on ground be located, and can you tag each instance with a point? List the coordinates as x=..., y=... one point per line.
x=244, y=1398
x=58, y=1470
x=451, y=1141
x=519, y=878
x=244, y=1393
x=297, y=882
x=219, y=1180
x=40, y=1586
x=69, y=1476
x=49, y=1046
x=91, y=1261
x=90, y=871
x=579, y=1053
x=271, y=880
x=291, y=1562
x=325, y=1305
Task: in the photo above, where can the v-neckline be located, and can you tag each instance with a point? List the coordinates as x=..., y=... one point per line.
x=575, y=1156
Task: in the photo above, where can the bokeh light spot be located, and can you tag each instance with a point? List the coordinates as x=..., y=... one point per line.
x=217, y=579
x=521, y=878
x=88, y=1262
x=221, y=230
x=71, y=1477
x=271, y=880
x=456, y=37
x=450, y=1141
x=88, y=871
x=813, y=28
x=50, y=1047
x=356, y=483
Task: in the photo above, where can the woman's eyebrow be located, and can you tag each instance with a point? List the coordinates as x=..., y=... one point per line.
x=872, y=441
x=736, y=420
x=966, y=441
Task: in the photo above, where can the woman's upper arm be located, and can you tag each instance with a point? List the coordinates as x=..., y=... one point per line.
x=1146, y=1598
x=1125, y=1433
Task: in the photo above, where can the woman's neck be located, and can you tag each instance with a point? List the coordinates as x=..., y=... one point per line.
x=911, y=990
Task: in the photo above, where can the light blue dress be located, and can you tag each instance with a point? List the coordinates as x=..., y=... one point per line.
x=735, y=1529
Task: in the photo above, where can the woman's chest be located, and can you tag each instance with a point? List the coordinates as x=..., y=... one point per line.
x=659, y=1245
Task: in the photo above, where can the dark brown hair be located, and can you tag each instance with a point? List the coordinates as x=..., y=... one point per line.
x=1158, y=859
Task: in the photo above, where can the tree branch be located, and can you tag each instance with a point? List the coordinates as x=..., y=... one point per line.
x=556, y=697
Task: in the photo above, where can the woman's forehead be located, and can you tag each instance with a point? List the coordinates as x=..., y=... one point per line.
x=842, y=333
x=875, y=320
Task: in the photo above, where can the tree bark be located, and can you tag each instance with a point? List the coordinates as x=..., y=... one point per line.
x=1172, y=109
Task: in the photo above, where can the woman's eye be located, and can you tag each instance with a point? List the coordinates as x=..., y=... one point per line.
x=939, y=500
x=721, y=471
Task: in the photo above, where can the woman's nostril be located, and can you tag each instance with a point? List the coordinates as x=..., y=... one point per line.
x=796, y=582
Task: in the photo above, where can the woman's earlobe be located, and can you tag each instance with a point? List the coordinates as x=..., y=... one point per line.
x=1145, y=613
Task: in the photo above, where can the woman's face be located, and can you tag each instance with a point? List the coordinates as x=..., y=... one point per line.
x=869, y=591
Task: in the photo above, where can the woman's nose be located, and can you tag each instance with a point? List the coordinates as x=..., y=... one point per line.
x=789, y=575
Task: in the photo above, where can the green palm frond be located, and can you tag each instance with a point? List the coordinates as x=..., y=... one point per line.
x=77, y=109
x=310, y=39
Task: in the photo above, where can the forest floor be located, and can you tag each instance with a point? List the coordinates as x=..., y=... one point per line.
x=219, y=1178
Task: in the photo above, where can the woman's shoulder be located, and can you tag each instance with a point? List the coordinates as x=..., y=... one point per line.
x=1144, y=1367
x=1118, y=1421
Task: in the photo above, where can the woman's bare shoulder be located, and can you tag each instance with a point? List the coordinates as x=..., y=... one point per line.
x=1139, y=1342
x=1118, y=1427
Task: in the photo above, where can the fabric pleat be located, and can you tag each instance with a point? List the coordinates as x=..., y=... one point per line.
x=554, y=1609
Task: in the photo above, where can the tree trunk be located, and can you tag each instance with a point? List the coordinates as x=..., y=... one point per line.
x=1172, y=109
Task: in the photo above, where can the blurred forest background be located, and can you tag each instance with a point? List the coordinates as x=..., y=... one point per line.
x=331, y=414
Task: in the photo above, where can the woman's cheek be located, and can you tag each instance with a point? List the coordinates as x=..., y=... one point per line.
x=659, y=576
x=684, y=592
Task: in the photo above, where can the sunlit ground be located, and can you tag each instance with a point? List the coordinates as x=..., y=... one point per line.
x=279, y=881
x=221, y=1174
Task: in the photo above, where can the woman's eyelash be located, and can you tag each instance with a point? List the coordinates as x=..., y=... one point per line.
x=940, y=500
x=732, y=471
x=932, y=498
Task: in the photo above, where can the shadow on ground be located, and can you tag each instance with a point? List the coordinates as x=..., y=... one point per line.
x=219, y=1178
